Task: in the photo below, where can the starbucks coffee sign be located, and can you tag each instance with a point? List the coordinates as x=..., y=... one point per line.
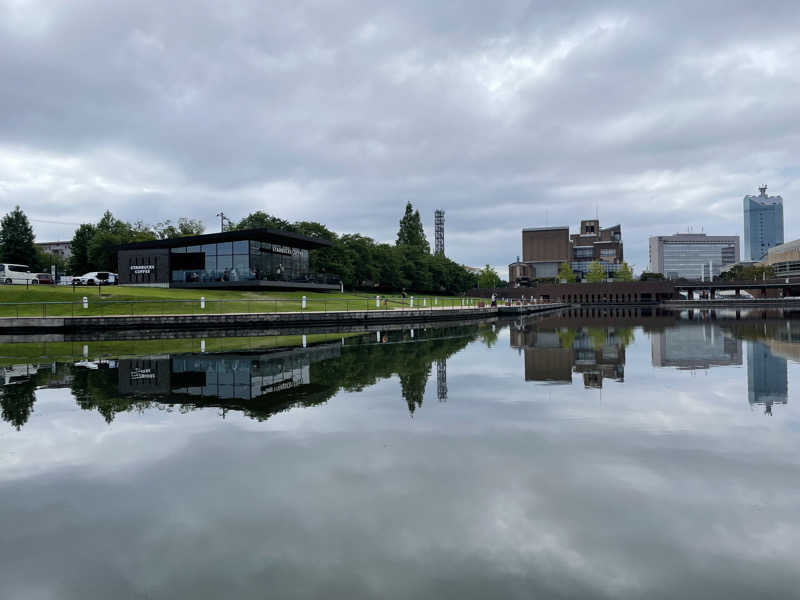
x=142, y=269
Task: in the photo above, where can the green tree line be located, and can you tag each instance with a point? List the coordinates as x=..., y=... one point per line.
x=360, y=261
x=363, y=263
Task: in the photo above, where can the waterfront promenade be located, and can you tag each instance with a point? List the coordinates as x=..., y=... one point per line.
x=288, y=319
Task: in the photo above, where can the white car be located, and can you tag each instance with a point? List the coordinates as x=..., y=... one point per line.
x=97, y=278
x=11, y=273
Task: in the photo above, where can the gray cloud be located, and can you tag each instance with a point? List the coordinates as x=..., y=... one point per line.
x=505, y=114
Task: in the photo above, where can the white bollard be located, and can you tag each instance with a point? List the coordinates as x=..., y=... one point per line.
x=377, y=336
x=202, y=302
x=85, y=351
x=424, y=302
x=303, y=302
x=377, y=301
x=304, y=340
x=412, y=334
x=412, y=301
x=85, y=302
x=202, y=345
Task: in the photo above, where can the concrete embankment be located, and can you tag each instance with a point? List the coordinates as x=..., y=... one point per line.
x=259, y=321
x=755, y=303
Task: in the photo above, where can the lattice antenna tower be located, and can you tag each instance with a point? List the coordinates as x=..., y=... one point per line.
x=441, y=380
x=438, y=220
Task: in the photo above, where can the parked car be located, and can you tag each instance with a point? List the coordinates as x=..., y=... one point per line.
x=45, y=278
x=97, y=278
x=10, y=273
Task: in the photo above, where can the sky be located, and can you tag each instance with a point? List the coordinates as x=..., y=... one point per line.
x=656, y=116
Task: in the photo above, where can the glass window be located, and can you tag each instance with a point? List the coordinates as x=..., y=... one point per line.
x=210, y=249
x=194, y=249
x=224, y=263
x=241, y=247
x=211, y=264
x=224, y=249
x=179, y=250
x=241, y=267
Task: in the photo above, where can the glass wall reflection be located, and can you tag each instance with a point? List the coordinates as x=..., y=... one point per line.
x=694, y=346
x=767, y=377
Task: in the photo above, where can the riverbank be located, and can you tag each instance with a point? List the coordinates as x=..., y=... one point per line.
x=257, y=320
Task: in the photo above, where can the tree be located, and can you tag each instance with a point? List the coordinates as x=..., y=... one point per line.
x=185, y=226
x=565, y=274
x=262, y=220
x=645, y=276
x=488, y=278
x=79, y=260
x=411, y=232
x=596, y=273
x=625, y=273
x=44, y=260
x=16, y=239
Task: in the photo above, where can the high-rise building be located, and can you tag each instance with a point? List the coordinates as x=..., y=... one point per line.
x=763, y=223
x=692, y=255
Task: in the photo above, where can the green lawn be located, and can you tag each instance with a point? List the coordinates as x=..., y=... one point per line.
x=59, y=301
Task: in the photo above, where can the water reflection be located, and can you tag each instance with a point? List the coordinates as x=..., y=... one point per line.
x=666, y=486
x=256, y=383
x=261, y=383
x=552, y=354
x=695, y=346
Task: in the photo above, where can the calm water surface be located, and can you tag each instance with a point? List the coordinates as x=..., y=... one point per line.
x=566, y=457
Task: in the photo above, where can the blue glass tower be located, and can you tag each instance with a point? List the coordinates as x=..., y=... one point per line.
x=763, y=223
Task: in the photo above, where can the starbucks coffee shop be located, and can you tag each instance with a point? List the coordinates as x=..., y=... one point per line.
x=250, y=258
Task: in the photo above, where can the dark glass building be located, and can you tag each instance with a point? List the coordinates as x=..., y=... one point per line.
x=262, y=258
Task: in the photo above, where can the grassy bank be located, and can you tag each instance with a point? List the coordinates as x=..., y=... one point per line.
x=59, y=301
x=35, y=352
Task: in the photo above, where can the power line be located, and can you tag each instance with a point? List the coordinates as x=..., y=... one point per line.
x=54, y=222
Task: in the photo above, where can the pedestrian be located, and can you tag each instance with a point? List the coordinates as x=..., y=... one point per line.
x=494, y=300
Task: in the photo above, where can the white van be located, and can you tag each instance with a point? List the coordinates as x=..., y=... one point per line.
x=10, y=273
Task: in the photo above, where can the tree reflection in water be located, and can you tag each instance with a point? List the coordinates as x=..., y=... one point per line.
x=258, y=384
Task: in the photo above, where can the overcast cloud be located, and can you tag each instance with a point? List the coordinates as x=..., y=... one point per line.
x=505, y=114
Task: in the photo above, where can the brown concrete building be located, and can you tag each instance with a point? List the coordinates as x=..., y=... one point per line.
x=544, y=249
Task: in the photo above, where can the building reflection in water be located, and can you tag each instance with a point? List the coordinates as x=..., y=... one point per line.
x=230, y=376
x=553, y=354
x=690, y=346
x=718, y=342
x=258, y=383
x=767, y=377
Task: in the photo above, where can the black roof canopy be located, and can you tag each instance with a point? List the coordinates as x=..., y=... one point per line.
x=274, y=236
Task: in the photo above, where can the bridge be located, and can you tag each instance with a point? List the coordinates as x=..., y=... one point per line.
x=784, y=287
